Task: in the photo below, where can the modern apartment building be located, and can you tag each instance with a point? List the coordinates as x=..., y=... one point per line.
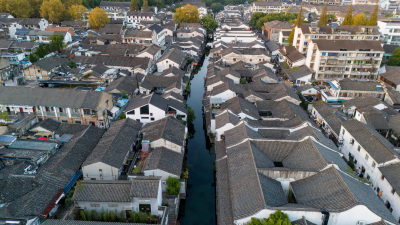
x=304, y=34
x=339, y=59
x=267, y=7
x=320, y=2
x=390, y=30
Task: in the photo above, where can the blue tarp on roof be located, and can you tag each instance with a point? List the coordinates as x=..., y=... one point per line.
x=333, y=85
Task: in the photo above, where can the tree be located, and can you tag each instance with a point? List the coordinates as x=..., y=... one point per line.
x=69, y=3
x=277, y=218
x=98, y=18
x=191, y=116
x=77, y=11
x=33, y=58
x=134, y=5
x=111, y=216
x=323, y=19
x=56, y=42
x=145, y=6
x=373, y=19
x=360, y=20
x=4, y=116
x=209, y=23
x=348, y=19
x=282, y=16
x=299, y=21
x=52, y=10
x=35, y=6
x=187, y=14
x=20, y=8
x=173, y=186
x=255, y=17
x=216, y=7
x=394, y=60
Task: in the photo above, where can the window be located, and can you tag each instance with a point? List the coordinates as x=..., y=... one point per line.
x=47, y=109
x=64, y=121
x=393, y=191
x=343, y=132
x=144, y=109
x=78, y=122
x=60, y=109
x=152, y=118
x=382, y=177
x=86, y=111
x=278, y=164
x=366, y=157
x=324, y=54
x=352, y=141
x=131, y=112
x=373, y=164
x=358, y=148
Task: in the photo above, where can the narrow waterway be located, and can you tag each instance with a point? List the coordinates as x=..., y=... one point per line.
x=200, y=202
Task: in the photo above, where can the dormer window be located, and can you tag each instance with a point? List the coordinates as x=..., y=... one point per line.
x=278, y=164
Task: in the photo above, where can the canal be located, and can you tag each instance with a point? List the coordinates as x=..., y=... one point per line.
x=200, y=201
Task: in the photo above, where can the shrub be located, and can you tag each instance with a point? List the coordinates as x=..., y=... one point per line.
x=191, y=116
x=173, y=186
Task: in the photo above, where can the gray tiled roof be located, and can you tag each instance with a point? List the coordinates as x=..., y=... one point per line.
x=299, y=73
x=224, y=206
x=29, y=196
x=246, y=193
x=103, y=191
x=239, y=105
x=328, y=114
x=392, y=174
x=51, y=62
x=174, y=55
x=324, y=190
x=302, y=155
x=224, y=118
x=165, y=160
x=367, y=196
x=117, y=190
x=168, y=128
x=128, y=84
x=49, y=124
x=379, y=149
x=349, y=45
x=51, y=97
x=145, y=187
x=115, y=143
x=239, y=133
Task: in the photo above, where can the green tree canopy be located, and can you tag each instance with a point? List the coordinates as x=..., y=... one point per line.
x=173, y=186
x=277, y=218
x=209, y=22
x=348, y=19
x=56, y=42
x=323, y=19
x=216, y=7
x=282, y=16
x=255, y=17
x=394, y=60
